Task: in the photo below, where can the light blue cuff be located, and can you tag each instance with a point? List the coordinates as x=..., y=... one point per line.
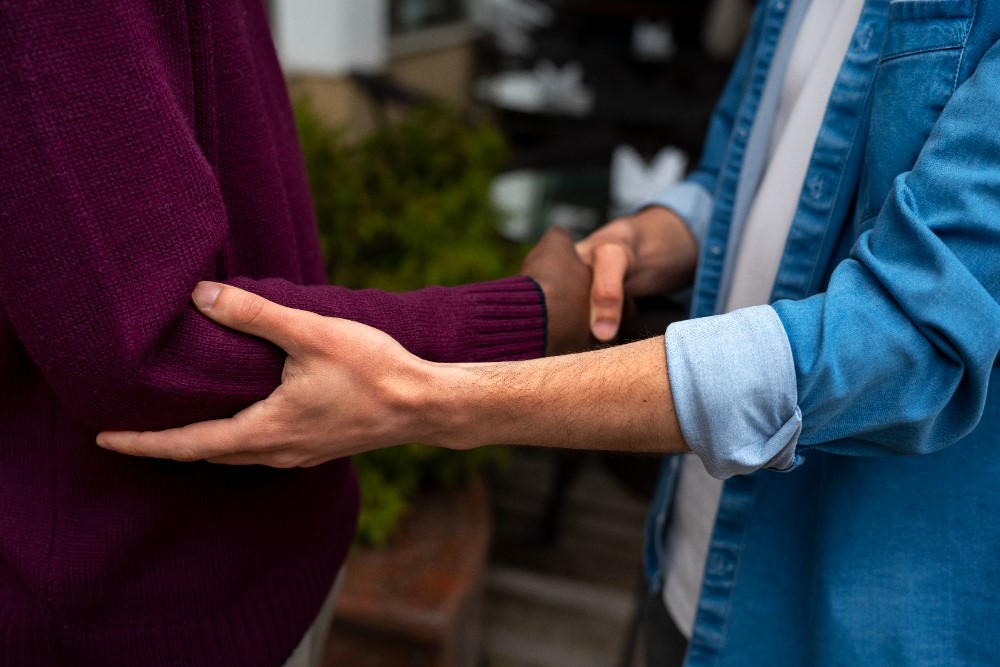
x=692, y=202
x=734, y=389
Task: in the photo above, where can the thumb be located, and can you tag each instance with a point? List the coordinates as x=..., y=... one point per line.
x=607, y=292
x=243, y=311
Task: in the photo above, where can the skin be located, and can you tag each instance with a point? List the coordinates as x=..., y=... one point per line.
x=348, y=388
x=564, y=278
x=646, y=254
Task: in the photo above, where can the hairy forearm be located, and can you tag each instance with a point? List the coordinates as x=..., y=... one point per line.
x=612, y=399
x=348, y=388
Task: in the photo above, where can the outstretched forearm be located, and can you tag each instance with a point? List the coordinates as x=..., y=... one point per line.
x=612, y=399
x=348, y=388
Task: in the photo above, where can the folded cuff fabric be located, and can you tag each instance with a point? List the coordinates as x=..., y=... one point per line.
x=734, y=389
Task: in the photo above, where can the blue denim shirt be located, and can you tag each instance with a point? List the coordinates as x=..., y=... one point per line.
x=868, y=380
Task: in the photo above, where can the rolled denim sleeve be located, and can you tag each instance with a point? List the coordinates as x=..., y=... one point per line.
x=689, y=200
x=898, y=355
x=734, y=389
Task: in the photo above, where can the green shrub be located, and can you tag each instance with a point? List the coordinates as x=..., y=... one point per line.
x=407, y=207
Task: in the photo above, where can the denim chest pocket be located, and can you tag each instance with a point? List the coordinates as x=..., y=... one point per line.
x=916, y=76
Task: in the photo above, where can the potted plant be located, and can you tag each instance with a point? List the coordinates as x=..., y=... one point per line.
x=405, y=207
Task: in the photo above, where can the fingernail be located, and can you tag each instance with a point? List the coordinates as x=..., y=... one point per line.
x=604, y=330
x=205, y=293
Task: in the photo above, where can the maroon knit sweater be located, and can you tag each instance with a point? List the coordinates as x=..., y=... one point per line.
x=146, y=145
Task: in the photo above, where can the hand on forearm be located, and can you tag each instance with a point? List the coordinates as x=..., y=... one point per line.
x=347, y=388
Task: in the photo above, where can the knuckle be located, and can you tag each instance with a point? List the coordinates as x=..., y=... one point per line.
x=606, y=293
x=321, y=338
x=277, y=436
x=558, y=234
x=285, y=460
x=146, y=441
x=271, y=441
x=266, y=437
x=612, y=252
x=302, y=331
x=187, y=454
x=248, y=310
x=606, y=306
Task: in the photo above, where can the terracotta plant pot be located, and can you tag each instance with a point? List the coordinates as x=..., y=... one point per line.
x=416, y=601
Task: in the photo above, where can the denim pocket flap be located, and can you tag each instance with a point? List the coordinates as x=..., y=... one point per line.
x=917, y=26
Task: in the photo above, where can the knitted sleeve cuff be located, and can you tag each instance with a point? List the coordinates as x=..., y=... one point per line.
x=509, y=319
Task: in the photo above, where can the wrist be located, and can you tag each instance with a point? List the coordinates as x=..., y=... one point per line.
x=663, y=240
x=543, y=301
x=436, y=406
x=659, y=221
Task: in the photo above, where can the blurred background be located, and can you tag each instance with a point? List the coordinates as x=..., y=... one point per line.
x=442, y=137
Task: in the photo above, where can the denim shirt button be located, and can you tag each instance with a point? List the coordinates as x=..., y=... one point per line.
x=863, y=39
x=719, y=565
x=819, y=186
x=780, y=5
x=715, y=249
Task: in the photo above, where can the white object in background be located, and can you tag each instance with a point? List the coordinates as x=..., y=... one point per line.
x=517, y=195
x=520, y=196
x=332, y=37
x=510, y=22
x=563, y=89
x=546, y=88
x=633, y=181
x=577, y=220
x=653, y=41
x=518, y=91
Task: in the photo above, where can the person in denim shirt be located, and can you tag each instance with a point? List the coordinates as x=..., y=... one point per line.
x=855, y=419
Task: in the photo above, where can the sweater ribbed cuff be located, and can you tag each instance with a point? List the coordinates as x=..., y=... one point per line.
x=509, y=319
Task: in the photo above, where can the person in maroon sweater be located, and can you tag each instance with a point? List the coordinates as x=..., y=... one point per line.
x=145, y=146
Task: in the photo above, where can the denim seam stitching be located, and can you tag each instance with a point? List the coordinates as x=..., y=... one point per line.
x=961, y=55
x=916, y=52
x=840, y=176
